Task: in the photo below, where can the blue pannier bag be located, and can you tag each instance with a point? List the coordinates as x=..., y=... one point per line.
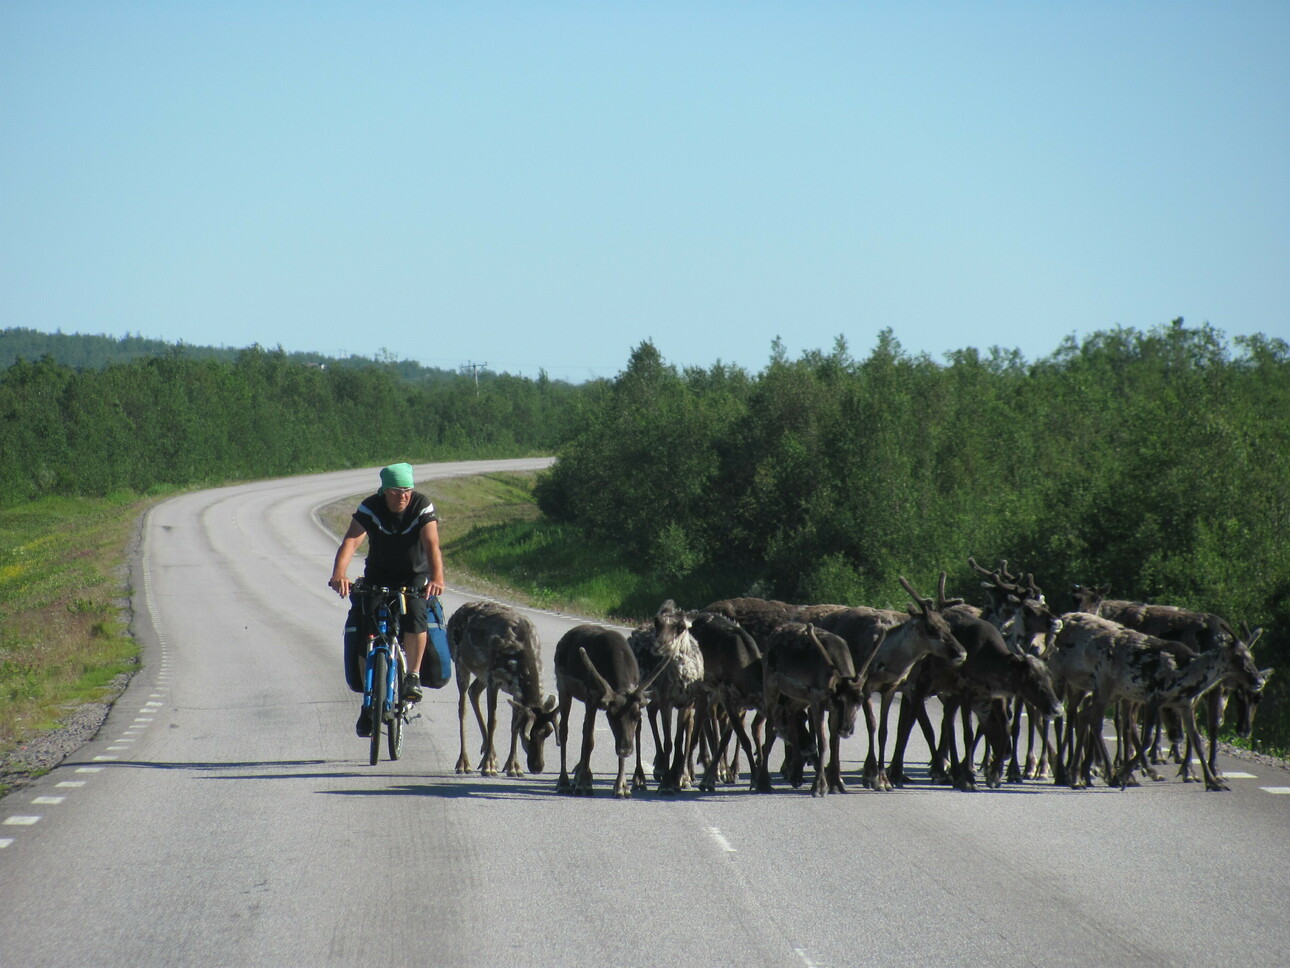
x=436, y=664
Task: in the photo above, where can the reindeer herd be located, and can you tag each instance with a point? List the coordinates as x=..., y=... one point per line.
x=735, y=677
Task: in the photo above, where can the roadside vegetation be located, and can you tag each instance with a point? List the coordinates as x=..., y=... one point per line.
x=63, y=616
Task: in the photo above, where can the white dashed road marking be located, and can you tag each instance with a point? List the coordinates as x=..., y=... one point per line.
x=18, y=821
x=716, y=834
x=1275, y=789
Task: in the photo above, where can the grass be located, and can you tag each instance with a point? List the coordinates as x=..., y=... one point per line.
x=63, y=609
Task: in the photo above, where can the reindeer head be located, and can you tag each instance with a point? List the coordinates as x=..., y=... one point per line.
x=1244, y=703
x=622, y=706
x=1089, y=599
x=539, y=723
x=1037, y=686
x=934, y=625
x=846, y=688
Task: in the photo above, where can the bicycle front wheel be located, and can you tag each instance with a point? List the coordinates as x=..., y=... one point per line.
x=380, y=690
x=395, y=732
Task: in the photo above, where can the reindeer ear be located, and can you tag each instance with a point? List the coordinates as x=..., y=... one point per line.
x=549, y=704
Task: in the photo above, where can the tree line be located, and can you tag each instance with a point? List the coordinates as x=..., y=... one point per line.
x=179, y=420
x=83, y=351
x=1156, y=462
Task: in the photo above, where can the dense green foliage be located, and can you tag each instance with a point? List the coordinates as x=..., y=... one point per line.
x=176, y=420
x=1156, y=462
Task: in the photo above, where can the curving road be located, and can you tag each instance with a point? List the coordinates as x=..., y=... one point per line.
x=226, y=816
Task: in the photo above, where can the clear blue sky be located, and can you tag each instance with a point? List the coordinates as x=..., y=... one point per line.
x=546, y=184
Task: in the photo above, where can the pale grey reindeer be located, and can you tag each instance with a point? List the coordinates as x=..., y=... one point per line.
x=1197, y=632
x=677, y=696
x=495, y=648
x=1102, y=663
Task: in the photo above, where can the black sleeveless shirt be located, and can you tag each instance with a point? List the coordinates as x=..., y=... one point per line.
x=395, y=554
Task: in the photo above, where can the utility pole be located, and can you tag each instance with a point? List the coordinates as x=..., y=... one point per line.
x=474, y=368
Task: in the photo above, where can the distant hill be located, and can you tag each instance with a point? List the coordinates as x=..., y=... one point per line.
x=85, y=352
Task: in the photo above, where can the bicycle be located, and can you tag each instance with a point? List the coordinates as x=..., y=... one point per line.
x=386, y=665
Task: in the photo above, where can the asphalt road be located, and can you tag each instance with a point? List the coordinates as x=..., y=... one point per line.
x=226, y=815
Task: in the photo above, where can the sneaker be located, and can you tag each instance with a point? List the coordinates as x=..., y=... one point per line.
x=364, y=725
x=412, y=687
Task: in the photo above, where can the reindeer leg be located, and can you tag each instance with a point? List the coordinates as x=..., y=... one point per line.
x=1215, y=707
x=621, y=789
x=562, y=740
x=638, y=777
x=463, y=761
x=835, y=781
x=476, y=690
x=661, y=743
x=968, y=776
x=1015, y=773
x=881, y=780
x=1212, y=782
x=582, y=775
x=904, y=725
x=820, y=785
x=512, y=766
x=489, y=766
x=871, y=758
x=761, y=769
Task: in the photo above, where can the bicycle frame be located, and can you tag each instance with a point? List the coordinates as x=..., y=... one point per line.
x=386, y=665
x=387, y=640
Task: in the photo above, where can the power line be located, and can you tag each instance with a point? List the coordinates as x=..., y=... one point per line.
x=474, y=369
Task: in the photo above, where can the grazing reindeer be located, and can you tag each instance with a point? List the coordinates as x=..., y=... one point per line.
x=595, y=665
x=809, y=669
x=885, y=646
x=733, y=675
x=667, y=643
x=495, y=648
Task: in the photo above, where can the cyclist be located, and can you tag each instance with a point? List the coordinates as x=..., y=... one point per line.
x=403, y=550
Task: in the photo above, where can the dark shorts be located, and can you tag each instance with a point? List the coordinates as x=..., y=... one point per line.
x=358, y=627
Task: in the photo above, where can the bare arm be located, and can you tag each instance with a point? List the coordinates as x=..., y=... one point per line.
x=430, y=538
x=348, y=545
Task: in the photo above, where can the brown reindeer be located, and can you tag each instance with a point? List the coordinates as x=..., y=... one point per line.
x=885, y=646
x=809, y=670
x=596, y=666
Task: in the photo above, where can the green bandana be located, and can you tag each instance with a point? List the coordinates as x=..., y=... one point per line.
x=396, y=475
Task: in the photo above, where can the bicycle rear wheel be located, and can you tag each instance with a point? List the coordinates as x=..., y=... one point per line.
x=380, y=689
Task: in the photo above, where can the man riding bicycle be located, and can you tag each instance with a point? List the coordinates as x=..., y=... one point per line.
x=403, y=550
